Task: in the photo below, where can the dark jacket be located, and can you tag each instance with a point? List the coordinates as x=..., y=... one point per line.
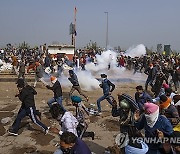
x=80, y=147
x=107, y=86
x=47, y=61
x=151, y=72
x=160, y=78
x=26, y=96
x=73, y=79
x=142, y=99
x=56, y=88
x=171, y=112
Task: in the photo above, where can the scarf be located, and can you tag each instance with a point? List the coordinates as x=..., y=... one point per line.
x=152, y=118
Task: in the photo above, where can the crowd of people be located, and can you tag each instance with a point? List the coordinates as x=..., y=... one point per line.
x=152, y=113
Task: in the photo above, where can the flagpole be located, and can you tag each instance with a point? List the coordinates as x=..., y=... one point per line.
x=75, y=10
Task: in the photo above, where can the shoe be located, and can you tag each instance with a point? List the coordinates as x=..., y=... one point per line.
x=92, y=135
x=12, y=133
x=47, y=131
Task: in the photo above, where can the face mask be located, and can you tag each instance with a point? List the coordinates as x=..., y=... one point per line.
x=152, y=118
x=103, y=78
x=140, y=94
x=151, y=67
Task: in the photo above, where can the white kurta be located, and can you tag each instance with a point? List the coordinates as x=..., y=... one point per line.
x=69, y=123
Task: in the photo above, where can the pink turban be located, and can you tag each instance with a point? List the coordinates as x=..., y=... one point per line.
x=150, y=107
x=165, y=86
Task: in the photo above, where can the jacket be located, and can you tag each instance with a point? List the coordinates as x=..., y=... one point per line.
x=107, y=86
x=56, y=88
x=151, y=72
x=26, y=96
x=162, y=124
x=80, y=147
x=74, y=80
x=142, y=99
x=171, y=112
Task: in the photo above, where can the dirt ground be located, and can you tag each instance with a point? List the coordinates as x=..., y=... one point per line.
x=32, y=140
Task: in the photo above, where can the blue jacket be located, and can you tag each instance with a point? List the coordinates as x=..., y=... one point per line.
x=162, y=124
x=142, y=99
x=80, y=147
x=107, y=86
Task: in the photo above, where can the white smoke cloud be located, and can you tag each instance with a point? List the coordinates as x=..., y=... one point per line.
x=117, y=73
x=63, y=79
x=85, y=78
x=103, y=60
x=87, y=81
x=137, y=51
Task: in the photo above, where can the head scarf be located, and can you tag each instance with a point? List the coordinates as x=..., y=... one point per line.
x=152, y=113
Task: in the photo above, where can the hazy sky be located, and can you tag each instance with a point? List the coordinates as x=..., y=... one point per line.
x=131, y=22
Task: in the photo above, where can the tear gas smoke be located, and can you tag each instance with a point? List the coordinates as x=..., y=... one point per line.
x=137, y=51
x=87, y=81
x=85, y=78
x=103, y=60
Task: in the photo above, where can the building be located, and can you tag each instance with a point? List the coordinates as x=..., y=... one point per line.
x=62, y=50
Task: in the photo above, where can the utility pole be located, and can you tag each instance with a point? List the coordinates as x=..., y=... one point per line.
x=107, y=40
x=74, y=42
